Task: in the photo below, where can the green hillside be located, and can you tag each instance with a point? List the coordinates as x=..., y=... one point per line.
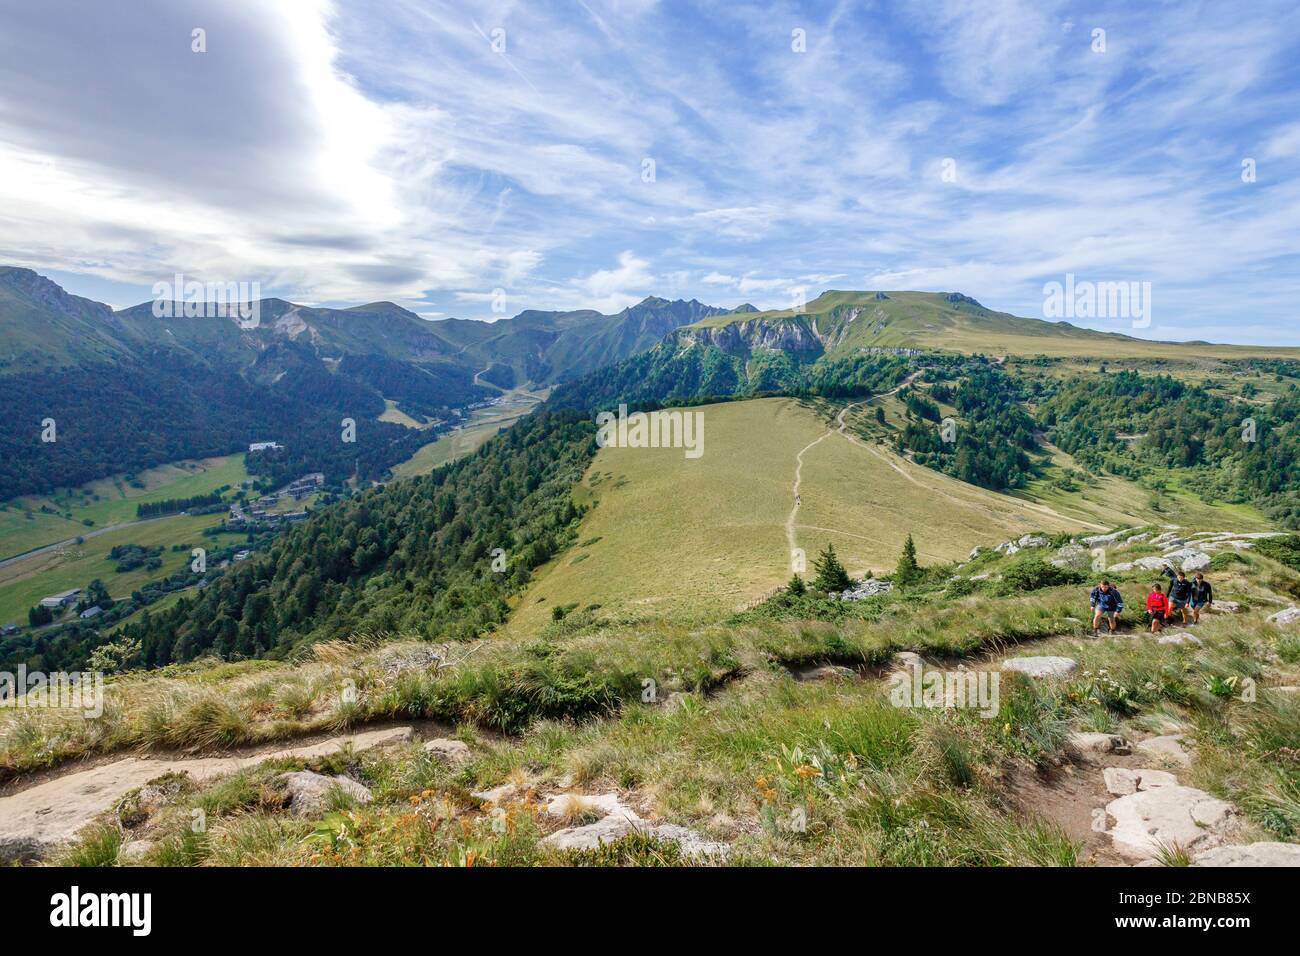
x=840, y=323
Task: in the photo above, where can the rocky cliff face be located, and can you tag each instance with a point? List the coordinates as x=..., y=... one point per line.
x=786, y=335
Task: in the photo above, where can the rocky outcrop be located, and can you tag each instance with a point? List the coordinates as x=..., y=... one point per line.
x=309, y=793
x=864, y=589
x=764, y=334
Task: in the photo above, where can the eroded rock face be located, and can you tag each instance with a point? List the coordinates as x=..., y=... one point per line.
x=1042, y=666
x=1251, y=854
x=309, y=793
x=1168, y=817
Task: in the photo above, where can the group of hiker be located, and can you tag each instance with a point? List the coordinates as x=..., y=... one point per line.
x=1185, y=596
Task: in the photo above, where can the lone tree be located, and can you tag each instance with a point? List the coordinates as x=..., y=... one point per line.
x=908, y=571
x=831, y=575
x=796, y=587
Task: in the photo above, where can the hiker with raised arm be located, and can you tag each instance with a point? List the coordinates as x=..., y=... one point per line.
x=1106, y=603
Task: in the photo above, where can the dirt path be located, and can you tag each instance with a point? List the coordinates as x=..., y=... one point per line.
x=840, y=426
x=51, y=811
x=488, y=384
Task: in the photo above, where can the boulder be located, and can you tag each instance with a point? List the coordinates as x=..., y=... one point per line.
x=1168, y=747
x=309, y=792
x=1041, y=666
x=865, y=589
x=1177, y=637
x=618, y=825
x=451, y=752
x=1096, y=539
x=1138, y=538
x=1121, y=781
x=1225, y=607
x=1251, y=854
x=1145, y=564
x=1095, y=743
x=1166, y=817
x=1071, y=556
x=1289, y=616
x=1189, y=559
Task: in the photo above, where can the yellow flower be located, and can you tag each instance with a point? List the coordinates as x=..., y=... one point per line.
x=807, y=771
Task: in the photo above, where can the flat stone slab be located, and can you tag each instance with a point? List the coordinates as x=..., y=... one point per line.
x=1251, y=854
x=1177, y=637
x=1042, y=666
x=1120, y=781
x=1169, y=817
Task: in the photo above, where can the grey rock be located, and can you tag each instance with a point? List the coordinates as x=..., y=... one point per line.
x=309, y=792
x=454, y=753
x=1288, y=616
x=1251, y=854
x=1170, y=816
x=1041, y=666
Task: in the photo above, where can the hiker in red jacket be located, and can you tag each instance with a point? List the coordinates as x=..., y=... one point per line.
x=1157, y=608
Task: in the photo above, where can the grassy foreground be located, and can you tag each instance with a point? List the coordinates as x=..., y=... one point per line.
x=735, y=747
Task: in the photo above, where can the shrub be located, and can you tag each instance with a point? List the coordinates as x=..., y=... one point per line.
x=1032, y=574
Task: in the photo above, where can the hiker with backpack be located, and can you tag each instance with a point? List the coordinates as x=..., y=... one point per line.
x=1106, y=602
x=1202, y=596
x=1180, y=592
x=1157, y=608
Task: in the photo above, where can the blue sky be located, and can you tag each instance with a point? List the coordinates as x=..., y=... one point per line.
x=433, y=153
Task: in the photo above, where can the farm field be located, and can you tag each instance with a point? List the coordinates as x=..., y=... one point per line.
x=116, y=502
x=483, y=424
x=25, y=582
